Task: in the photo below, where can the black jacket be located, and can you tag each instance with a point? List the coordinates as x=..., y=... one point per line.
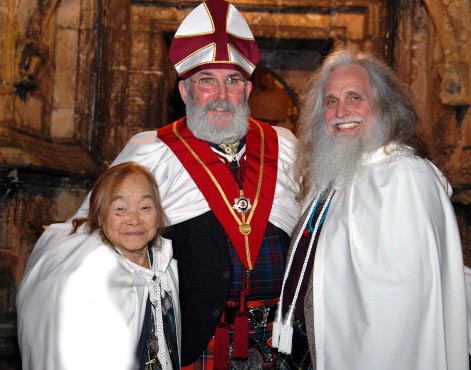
x=205, y=274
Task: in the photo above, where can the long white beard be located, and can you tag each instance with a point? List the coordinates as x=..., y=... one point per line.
x=336, y=160
x=199, y=125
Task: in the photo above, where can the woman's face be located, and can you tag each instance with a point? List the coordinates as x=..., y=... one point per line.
x=131, y=220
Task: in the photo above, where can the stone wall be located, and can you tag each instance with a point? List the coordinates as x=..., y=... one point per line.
x=432, y=54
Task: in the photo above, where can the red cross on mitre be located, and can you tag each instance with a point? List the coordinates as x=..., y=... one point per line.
x=214, y=35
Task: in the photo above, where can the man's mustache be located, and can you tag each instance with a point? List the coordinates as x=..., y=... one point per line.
x=220, y=105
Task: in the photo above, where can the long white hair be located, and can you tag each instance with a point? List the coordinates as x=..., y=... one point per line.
x=394, y=112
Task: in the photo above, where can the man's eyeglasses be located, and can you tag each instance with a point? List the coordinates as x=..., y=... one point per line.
x=234, y=85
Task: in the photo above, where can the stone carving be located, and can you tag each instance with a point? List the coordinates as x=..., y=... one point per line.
x=35, y=52
x=33, y=56
x=451, y=19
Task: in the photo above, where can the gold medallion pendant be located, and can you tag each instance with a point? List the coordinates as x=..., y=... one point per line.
x=245, y=228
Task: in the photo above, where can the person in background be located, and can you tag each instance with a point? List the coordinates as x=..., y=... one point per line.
x=104, y=296
x=375, y=269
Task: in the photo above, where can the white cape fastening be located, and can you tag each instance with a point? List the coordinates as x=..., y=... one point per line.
x=282, y=334
x=157, y=282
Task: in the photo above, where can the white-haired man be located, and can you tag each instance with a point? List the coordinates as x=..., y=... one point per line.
x=375, y=267
x=229, y=191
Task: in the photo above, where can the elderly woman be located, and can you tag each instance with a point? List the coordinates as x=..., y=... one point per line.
x=114, y=306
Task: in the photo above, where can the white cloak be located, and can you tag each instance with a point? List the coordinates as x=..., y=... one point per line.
x=80, y=305
x=388, y=282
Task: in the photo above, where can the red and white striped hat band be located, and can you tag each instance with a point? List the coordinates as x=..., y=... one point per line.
x=214, y=35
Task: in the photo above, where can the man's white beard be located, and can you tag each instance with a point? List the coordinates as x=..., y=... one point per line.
x=199, y=125
x=336, y=160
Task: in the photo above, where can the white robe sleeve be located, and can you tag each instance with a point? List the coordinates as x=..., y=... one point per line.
x=285, y=209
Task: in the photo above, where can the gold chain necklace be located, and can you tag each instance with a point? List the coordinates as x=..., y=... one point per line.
x=230, y=148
